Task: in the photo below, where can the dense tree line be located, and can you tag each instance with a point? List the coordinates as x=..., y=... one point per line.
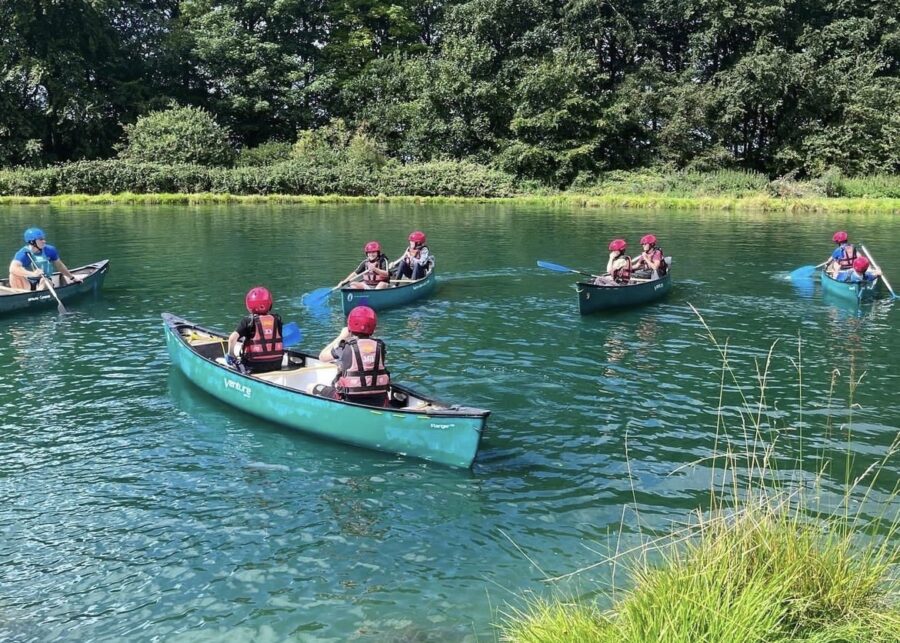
x=544, y=89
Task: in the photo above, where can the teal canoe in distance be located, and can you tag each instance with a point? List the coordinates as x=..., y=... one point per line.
x=592, y=297
x=399, y=294
x=414, y=425
x=849, y=292
x=92, y=276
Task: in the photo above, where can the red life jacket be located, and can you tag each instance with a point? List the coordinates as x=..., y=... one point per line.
x=846, y=261
x=663, y=266
x=371, y=277
x=367, y=374
x=623, y=275
x=265, y=348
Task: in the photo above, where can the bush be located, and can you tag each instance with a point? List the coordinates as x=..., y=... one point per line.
x=178, y=135
x=264, y=155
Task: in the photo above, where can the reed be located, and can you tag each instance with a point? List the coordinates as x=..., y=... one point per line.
x=770, y=559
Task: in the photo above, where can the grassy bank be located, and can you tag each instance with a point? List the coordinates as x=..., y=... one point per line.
x=749, y=203
x=767, y=561
x=309, y=180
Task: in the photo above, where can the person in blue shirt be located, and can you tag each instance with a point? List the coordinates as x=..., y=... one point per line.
x=860, y=272
x=843, y=256
x=35, y=261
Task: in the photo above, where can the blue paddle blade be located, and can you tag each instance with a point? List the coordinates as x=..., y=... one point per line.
x=317, y=297
x=554, y=266
x=803, y=272
x=291, y=334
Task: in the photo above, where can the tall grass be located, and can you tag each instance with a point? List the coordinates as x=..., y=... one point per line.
x=769, y=560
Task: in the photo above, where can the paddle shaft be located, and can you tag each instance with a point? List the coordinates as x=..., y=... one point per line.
x=50, y=287
x=883, y=278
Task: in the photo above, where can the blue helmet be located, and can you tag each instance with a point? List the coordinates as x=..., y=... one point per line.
x=33, y=234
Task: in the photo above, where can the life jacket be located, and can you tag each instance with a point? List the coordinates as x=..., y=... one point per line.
x=846, y=260
x=371, y=277
x=367, y=374
x=663, y=266
x=623, y=275
x=39, y=260
x=266, y=347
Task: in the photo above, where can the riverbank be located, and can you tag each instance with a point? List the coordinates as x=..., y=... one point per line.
x=747, y=203
x=312, y=180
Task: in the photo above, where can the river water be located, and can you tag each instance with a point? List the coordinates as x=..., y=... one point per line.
x=135, y=507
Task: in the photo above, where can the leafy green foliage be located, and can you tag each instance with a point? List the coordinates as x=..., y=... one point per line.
x=178, y=135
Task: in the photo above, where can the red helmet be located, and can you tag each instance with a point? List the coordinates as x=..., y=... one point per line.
x=362, y=320
x=860, y=264
x=648, y=238
x=372, y=246
x=617, y=244
x=258, y=300
x=840, y=236
x=417, y=237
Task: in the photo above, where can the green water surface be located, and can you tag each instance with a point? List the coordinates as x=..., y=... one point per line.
x=135, y=507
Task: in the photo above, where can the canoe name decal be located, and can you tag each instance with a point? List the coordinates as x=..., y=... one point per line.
x=434, y=425
x=237, y=386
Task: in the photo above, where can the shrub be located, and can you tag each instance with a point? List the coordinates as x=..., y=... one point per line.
x=264, y=155
x=178, y=135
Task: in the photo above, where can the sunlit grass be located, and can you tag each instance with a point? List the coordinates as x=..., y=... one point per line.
x=751, y=202
x=766, y=561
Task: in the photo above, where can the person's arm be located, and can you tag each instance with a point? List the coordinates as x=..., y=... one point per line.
x=423, y=257
x=61, y=267
x=327, y=353
x=16, y=268
x=611, y=263
x=232, y=342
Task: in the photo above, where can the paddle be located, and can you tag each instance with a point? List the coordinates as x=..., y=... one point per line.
x=805, y=272
x=883, y=278
x=62, y=309
x=555, y=267
x=318, y=296
x=291, y=334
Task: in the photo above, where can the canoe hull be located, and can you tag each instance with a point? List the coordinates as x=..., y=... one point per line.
x=388, y=297
x=92, y=274
x=850, y=293
x=450, y=436
x=593, y=298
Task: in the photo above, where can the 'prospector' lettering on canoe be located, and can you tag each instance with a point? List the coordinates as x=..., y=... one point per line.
x=245, y=390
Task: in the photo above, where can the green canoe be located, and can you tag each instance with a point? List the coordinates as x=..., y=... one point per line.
x=592, y=297
x=421, y=427
x=849, y=292
x=92, y=276
x=399, y=294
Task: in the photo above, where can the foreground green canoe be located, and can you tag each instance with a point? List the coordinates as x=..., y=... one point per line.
x=848, y=292
x=592, y=297
x=422, y=427
x=92, y=276
x=399, y=294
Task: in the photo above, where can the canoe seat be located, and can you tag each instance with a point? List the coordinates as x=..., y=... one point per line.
x=301, y=378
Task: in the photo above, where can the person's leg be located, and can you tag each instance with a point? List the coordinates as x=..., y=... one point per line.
x=19, y=283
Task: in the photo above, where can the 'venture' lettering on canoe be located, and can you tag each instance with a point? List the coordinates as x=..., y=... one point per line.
x=237, y=386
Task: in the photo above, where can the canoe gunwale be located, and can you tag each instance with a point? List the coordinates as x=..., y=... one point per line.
x=175, y=324
x=92, y=274
x=843, y=289
x=636, y=294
